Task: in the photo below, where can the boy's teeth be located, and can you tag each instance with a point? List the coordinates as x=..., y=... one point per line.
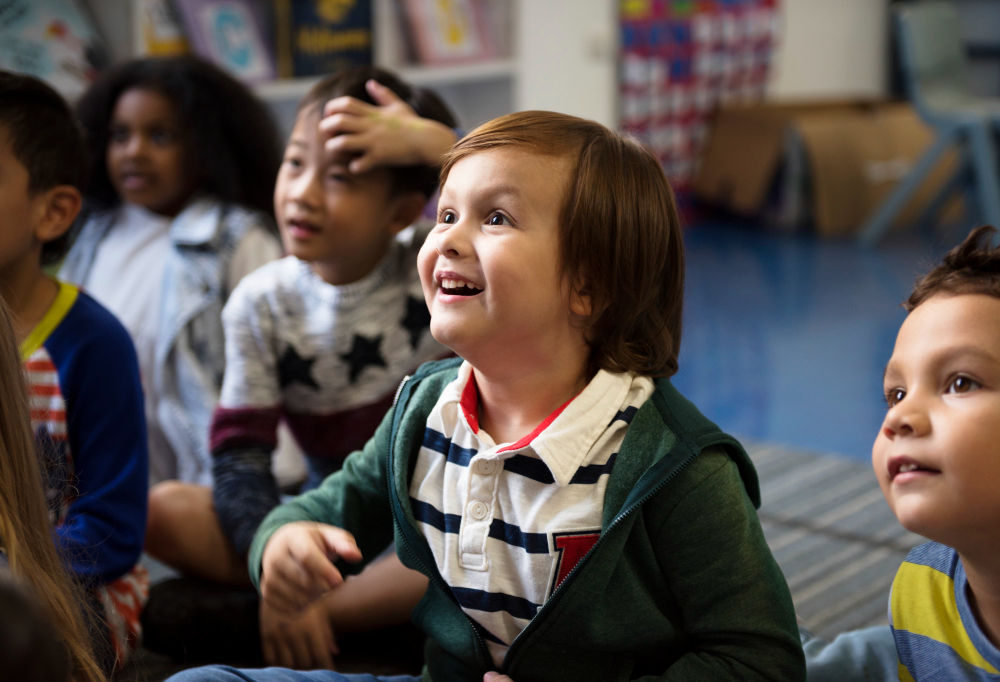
x=907, y=467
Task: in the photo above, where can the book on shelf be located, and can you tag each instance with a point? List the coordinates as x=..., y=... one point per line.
x=52, y=40
x=450, y=31
x=234, y=34
x=318, y=37
x=157, y=29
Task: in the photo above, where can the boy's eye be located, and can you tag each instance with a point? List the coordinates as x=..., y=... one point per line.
x=498, y=218
x=963, y=384
x=293, y=162
x=119, y=134
x=161, y=136
x=448, y=218
x=894, y=396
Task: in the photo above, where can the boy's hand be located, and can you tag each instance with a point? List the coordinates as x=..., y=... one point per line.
x=390, y=134
x=304, y=641
x=297, y=566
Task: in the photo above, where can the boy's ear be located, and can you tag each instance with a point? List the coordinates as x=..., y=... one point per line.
x=60, y=206
x=580, y=302
x=409, y=206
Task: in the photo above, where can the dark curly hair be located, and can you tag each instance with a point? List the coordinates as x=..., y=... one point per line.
x=46, y=139
x=351, y=83
x=972, y=267
x=234, y=143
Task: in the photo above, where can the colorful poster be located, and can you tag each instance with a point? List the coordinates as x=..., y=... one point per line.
x=449, y=31
x=683, y=58
x=51, y=40
x=231, y=34
x=319, y=37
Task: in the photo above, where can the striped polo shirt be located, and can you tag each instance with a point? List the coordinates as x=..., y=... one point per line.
x=937, y=636
x=508, y=522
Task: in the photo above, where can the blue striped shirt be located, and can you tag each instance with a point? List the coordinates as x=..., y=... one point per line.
x=937, y=636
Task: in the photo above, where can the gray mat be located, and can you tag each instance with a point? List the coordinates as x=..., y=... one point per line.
x=833, y=535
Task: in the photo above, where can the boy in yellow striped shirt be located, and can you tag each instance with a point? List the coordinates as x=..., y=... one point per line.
x=937, y=459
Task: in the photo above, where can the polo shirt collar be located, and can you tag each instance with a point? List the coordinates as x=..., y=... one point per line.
x=565, y=439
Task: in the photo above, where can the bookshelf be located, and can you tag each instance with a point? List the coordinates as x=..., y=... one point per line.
x=561, y=55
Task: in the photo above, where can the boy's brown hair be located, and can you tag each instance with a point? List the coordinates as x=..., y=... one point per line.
x=620, y=237
x=972, y=267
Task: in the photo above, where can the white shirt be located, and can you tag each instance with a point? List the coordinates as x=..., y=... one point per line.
x=127, y=279
x=506, y=523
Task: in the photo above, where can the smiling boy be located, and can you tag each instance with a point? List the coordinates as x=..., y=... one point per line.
x=576, y=518
x=937, y=458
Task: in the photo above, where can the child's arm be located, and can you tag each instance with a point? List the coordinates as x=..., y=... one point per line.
x=102, y=535
x=735, y=605
x=348, y=517
x=391, y=134
x=244, y=427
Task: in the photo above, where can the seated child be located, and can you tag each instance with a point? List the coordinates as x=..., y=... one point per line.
x=83, y=378
x=320, y=340
x=183, y=159
x=42, y=633
x=937, y=458
x=577, y=518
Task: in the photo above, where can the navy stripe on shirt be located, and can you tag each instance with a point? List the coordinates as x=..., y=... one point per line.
x=480, y=600
x=626, y=415
x=433, y=440
x=529, y=467
x=532, y=543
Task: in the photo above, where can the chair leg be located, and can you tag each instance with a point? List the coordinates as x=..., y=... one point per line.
x=876, y=226
x=984, y=163
x=958, y=180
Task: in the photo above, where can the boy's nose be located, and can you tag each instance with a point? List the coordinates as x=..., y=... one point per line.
x=306, y=189
x=906, y=420
x=452, y=242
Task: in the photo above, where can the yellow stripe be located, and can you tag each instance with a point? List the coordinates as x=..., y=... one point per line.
x=904, y=674
x=55, y=314
x=923, y=603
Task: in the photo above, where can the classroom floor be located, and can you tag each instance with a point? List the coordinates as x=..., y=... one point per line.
x=786, y=337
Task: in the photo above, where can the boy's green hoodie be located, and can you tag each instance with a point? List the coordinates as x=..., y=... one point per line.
x=680, y=586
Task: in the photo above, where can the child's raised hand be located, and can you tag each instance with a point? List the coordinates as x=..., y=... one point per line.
x=390, y=134
x=297, y=566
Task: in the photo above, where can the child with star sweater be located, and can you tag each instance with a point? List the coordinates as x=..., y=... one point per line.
x=319, y=340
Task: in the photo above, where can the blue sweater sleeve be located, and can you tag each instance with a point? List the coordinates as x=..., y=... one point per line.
x=104, y=530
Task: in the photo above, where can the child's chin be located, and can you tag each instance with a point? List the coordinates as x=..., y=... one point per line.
x=918, y=515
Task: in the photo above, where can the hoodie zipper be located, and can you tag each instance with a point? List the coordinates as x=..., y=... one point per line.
x=433, y=575
x=548, y=605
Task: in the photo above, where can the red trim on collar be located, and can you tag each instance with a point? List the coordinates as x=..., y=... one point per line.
x=470, y=403
x=541, y=427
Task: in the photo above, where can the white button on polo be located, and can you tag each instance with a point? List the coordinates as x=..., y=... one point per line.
x=478, y=510
x=486, y=467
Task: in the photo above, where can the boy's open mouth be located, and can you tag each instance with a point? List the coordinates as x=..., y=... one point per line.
x=905, y=465
x=458, y=287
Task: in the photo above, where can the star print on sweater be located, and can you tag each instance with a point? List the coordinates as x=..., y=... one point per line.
x=364, y=352
x=293, y=368
x=327, y=359
x=418, y=318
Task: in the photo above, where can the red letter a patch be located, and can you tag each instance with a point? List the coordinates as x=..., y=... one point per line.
x=571, y=547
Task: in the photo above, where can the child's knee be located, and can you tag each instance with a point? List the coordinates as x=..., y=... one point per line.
x=171, y=503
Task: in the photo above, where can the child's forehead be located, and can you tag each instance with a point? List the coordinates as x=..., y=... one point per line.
x=950, y=325
x=512, y=169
